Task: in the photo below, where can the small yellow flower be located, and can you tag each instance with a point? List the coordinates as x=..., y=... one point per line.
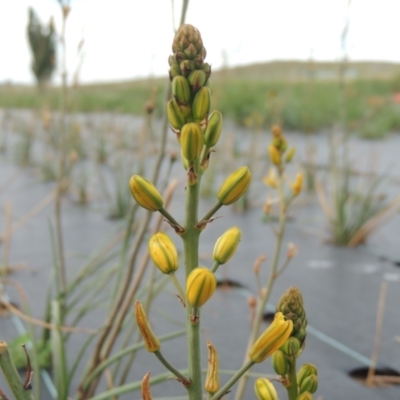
x=200, y=286
x=274, y=155
x=297, y=184
x=265, y=390
x=234, y=186
x=226, y=245
x=145, y=193
x=270, y=179
x=163, y=253
x=271, y=339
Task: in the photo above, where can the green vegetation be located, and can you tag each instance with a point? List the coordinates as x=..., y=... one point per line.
x=300, y=96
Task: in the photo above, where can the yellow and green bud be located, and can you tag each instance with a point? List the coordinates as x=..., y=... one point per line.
x=305, y=371
x=181, y=90
x=297, y=185
x=186, y=67
x=212, y=379
x=175, y=116
x=305, y=396
x=214, y=129
x=201, y=104
x=309, y=384
x=197, y=78
x=265, y=390
x=274, y=155
x=234, y=186
x=291, y=349
x=207, y=69
x=290, y=154
x=150, y=340
x=173, y=72
x=200, y=286
x=271, y=339
x=145, y=193
x=191, y=141
x=226, y=245
x=280, y=363
x=163, y=253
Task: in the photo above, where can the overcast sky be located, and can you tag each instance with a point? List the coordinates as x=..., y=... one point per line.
x=127, y=39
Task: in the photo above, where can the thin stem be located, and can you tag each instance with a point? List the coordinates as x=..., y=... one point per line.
x=167, y=365
x=233, y=380
x=211, y=212
x=169, y=217
x=265, y=297
x=292, y=388
x=11, y=374
x=215, y=266
x=178, y=286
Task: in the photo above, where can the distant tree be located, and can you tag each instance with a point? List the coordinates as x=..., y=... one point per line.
x=42, y=41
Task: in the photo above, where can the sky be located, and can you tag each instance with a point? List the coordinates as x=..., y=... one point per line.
x=129, y=39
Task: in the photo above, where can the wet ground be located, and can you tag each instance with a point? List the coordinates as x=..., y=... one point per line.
x=340, y=286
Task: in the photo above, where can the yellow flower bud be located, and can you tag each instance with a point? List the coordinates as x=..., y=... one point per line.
x=309, y=384
x=226, y=245
x=201, y=103
x=265, y=390
x=290, y=154
x=163, y=253
x=280, y=363
x=305, y=396
x=150, y=340
x=291, y=348
x=200, y=286
x=274, y=155
x=185, y=163
x=212, y=380
x=271, y=339
x=175, y=116
x=270, y=179
x=305, y=371
x=234, y=186
x=145, y=193
x=191, y=141
x=197, y=78
x=214, y=129
x=181, y=89
x=297, y=184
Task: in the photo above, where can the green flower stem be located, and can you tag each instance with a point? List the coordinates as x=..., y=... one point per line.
x=215, y=266
x=221, y=392
x=211, y=213
x=11, y=374
x=178, y=286
x=167, y=365
x=264, y=299
x=190, y=239
x=292, y=388
x=169, y=217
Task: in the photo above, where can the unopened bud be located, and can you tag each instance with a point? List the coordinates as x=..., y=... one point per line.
x=150, y=340
x=291, y=348
x=175, y=116
x=265, y=390
x=212, y=380
x=257, y=263
x=201, y=104
x=163, y=253
x=181, y=89
x=185, y=162
x=271, y=339
x=292, y=250
x=186, y=66
x=145, y=193
x=297, y=184
x=274, y=155
x=173, y=72
x=280, y=363
x=290, y=154
x=270, y=179
x=197, y=79
x=226, y=245
x=234, y=186
x=276, y=131
x=309, y=384
x=305, y=371
x=214, y=129
x=191, y=141
x=207, y=69
x=146, y=392
x=305, y=396
x=200, y=286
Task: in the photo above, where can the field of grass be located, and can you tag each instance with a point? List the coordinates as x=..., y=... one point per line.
x=302, y=96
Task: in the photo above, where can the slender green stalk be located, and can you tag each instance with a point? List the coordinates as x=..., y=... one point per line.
x=167, y=365
x=233, y=380
x=213, y=210
x=265, y=296
x=292, y=388
x=11, y=374
x=178, y=286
